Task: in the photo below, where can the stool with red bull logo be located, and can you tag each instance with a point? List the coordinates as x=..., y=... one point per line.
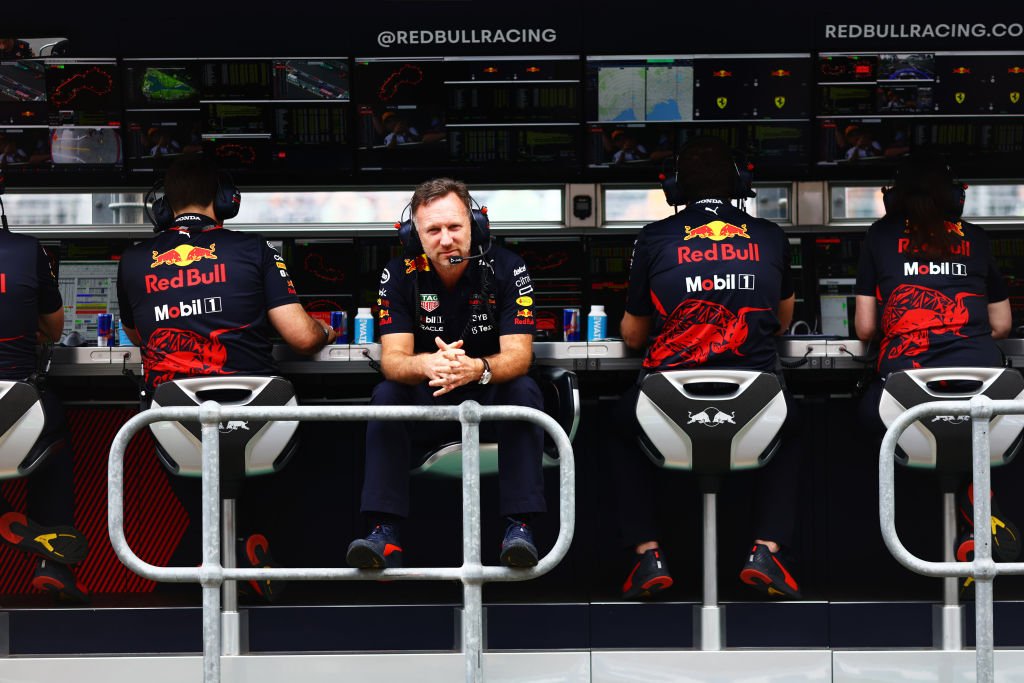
x=710, y=422
x=247, y=448
x=944, y=444
x=23, y=447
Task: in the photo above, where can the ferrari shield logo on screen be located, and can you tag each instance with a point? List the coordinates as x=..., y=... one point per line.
x=1015, y=97
x=722, y=102
x=780, y=102
x=429, y=302
x=960, y=97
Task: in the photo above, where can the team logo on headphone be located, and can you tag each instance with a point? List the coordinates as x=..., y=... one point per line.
x=960, y=97
x=716, y=231
x=722, y=102
x=780, y=101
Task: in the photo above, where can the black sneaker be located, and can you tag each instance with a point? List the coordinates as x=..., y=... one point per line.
x=1006, y=543
x=60, y=582
x=963, y=550
x=381, y=549
x=63, y=544
x=517, y=548
x=649, y=576
x=765, y=571
x=254, y=551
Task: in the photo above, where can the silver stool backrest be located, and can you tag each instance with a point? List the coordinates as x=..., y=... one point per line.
x=710, y=421
x=260, y=447
x=943, y=442
x=561, y=391
x=22, y=420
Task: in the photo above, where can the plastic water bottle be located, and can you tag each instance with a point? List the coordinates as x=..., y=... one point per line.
x=364, y=326
x=597, y=323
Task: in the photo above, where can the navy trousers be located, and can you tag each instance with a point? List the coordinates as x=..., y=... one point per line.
x=390, y=446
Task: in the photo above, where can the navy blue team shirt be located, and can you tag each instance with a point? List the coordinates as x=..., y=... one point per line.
x=28, y=289
x=199, y=300
x=412, y=299
x=934, y=309
x=712, y=277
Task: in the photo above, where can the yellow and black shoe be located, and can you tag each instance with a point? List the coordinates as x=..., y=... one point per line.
x=254, y=551
x=63, y=544
x=1006, y=543
x=61, y=582
x=765, y=572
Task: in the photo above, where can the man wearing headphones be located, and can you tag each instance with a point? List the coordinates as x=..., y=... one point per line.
x=712, y=286
x=456, y=323
x=31, y=311
x=199, y=299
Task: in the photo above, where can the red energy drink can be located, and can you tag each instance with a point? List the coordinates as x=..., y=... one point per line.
x=570, y=324
x=339, y=323
x=104, y=329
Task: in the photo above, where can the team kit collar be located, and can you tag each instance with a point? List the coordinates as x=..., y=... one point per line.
x=192, y=222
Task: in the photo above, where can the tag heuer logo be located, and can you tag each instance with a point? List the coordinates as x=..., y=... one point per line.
x=429, y=302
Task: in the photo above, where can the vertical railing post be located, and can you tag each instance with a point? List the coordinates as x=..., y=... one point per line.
x=984, y=567
x=212, y=572
x=472, y=568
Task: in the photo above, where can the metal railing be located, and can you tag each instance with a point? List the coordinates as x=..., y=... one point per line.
x=982, y=568
x=211, y=574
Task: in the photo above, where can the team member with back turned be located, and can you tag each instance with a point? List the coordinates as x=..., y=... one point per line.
x=31, y=311
x=456, y=323
x=199, y=299
x=943, y=316
x=729, y=326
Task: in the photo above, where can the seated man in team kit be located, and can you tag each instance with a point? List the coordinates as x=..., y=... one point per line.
x=456, y=323
x=199, y=299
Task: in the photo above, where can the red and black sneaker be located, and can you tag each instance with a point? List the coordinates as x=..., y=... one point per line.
x=381, y=549
x=963, y=550
x=765, y=571
x=59, y=581
x=255, y=550
x=650, y=575
x=63, y=544
x=1006, y=544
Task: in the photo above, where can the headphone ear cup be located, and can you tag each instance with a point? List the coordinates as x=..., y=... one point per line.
x=161, y=214
x=889, y=200
x=958, y=198
x=669, y=179
x=409, y=239
x=228, y=199
x=480, y=227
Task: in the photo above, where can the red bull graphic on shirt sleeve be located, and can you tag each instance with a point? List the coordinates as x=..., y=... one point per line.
x=913, y=314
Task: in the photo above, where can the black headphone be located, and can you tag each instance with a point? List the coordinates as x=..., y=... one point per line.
x=742, y=183
x=893, y=201
x=479, y=230
x=226, y=203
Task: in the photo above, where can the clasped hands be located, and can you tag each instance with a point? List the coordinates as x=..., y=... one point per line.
x=449, y=367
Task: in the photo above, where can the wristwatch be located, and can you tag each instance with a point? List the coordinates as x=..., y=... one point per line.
x=485, y=376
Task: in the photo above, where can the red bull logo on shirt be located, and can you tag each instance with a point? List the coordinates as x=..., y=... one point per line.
x=716, y=231
x=183, y=255
x=186, y=278
x=720, y=252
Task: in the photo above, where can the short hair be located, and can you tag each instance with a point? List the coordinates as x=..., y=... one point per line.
x=192, y=180
x=706, y=169
x=431, y=190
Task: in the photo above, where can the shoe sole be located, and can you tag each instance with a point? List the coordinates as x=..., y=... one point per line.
x=363, y=557
x=762, y=582
x=649, y=588
x=518, y=556
x=36, y=539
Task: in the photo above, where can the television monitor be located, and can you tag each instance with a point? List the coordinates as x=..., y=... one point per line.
x=638, y=89
x=837, y=306
x=235, y=79
x=154, y=138
x=83, y=92
x=88, y=288
x=980, y=83
x=23, y=93
x=161, y=84
x=25, y=149
x=311, y=79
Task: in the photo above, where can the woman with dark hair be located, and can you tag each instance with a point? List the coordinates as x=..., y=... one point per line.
x=942, y=301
